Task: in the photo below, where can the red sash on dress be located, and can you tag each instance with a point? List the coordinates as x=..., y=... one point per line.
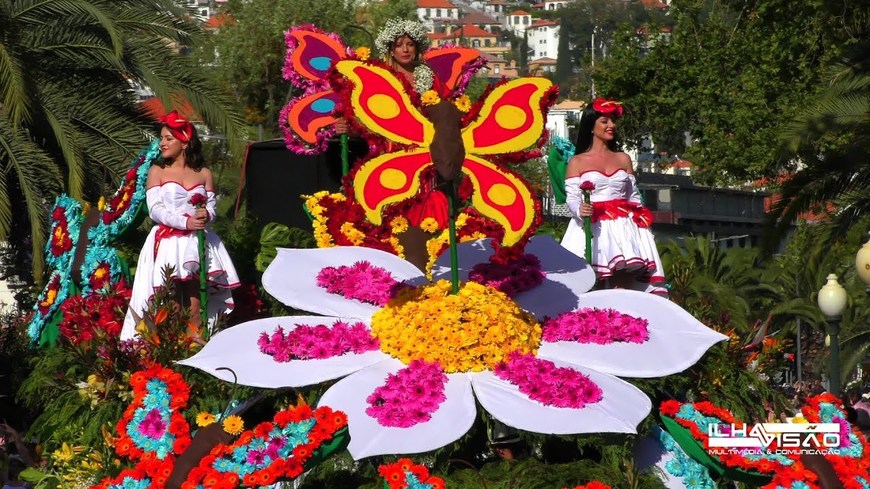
x=164, y=231
x=614, y=209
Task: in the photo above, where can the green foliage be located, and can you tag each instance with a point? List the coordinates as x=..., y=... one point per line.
x=719, y=88
x=70, y=121
x=275, y=235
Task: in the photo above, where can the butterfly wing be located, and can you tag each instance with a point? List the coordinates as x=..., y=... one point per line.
x=454, y=66
x=501, y=196
x=307, y=121
x=380, y=103
x=311, y=53
x=511, y=118
x=389, y=178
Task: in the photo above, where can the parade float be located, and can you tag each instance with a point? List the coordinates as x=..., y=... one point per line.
x=429, y=313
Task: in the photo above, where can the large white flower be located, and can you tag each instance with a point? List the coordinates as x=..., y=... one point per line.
x=676, y=341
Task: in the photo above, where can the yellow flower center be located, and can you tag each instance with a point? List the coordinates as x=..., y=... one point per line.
x=470, y=331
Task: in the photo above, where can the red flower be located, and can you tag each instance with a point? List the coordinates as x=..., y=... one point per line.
x=587, y=186
x=198, y=200
x=608, y=107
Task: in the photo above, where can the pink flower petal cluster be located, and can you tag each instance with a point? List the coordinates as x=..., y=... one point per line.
x=511, y=278
x=361, y=281
x=598, y=326
x=409, y=396
x=546, y=383
x=321, y=341
x=153, y=426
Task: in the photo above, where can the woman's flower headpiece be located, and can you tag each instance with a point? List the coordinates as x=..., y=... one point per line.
x=608, y=107
x=396, y=28
x=180, y=127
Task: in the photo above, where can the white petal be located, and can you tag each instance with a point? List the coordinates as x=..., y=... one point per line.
x=236, y=348
x=292, y=278
x=367, y=438
x=622, y=407
x=676, y=339
x=568, y=278
x=469, y=254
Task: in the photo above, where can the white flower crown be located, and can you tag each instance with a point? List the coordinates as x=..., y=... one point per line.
x=396, y=28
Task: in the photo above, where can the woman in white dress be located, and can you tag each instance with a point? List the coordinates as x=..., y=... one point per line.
x=624, y=252
x=174, y=184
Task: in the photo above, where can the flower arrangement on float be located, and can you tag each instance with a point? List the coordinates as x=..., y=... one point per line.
x=123, y=210
x=405, y=474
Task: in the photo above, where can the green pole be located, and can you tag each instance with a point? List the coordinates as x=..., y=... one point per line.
x=454, y=253
x=345, y=167
x=203, y=284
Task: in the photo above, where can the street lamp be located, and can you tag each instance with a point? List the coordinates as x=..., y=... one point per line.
x=832, y=301
x=862, y=264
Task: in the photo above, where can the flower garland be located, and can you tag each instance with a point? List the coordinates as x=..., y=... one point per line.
x=475, y=329
x=597, y=326
x=511, y=278
x=122, y=208
x=686, y=468
x=307, y=342
x=100, y=267
x=361, y=281
x=270, y=451
x=424, y=79
x=397, y=27
x=152, y=427
x=548, y=384
x=48, y=302
x=128, y=479
x=409, y=397
x=64, y=234
x=698, y=418
x=405, y=474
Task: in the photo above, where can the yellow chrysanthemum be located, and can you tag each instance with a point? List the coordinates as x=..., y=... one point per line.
x=363, y=53
x=430, y=225
x=399, y=225
x=233, y=425
x=317, y=211
x=475, y=328
x=430, y=97
x=204, y=419
x=352, y=233
x=101, y=205
x=463, y=103
x=397, y=246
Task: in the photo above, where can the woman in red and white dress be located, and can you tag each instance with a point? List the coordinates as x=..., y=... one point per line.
x=624, y=252
x=174, y=185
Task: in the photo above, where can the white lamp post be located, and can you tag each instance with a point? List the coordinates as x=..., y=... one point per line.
x=832, y=301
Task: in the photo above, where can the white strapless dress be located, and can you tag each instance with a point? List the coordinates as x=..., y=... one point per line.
x=180, y=250
x=618, y=242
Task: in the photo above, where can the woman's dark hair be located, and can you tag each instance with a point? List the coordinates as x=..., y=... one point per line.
x=193, y=154
x=584, y=132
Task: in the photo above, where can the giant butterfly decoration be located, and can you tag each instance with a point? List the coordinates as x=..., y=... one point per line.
x=509, y=120
x=80, y=255
x=307, y=120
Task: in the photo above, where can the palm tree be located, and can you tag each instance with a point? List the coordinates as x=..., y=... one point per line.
x=69, y=118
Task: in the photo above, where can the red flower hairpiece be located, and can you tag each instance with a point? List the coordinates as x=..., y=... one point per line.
x=608, y=107
x=180, y=127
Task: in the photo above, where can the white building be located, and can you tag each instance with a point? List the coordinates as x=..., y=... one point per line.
x=543, y=39
x=554, y=4
x=496, y=8
x=433, y=13
x=204, y=8
x=518, y=21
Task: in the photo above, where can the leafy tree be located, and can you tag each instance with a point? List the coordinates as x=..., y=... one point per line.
x=719, y=86
x=247, y=52
x=69, y=119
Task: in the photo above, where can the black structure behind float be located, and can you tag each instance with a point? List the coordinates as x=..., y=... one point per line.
x=275, y=178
